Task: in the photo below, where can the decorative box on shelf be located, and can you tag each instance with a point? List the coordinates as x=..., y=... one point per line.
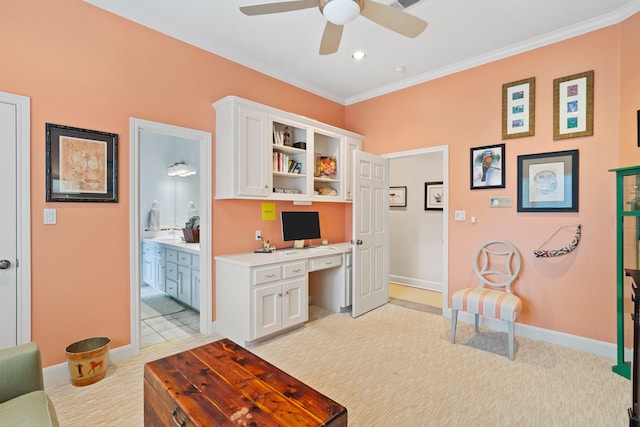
x=286, y=190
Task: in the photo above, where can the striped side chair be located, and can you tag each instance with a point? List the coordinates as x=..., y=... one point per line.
x=497, y=264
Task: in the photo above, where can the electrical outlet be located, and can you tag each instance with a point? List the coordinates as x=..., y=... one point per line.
x=258, y=235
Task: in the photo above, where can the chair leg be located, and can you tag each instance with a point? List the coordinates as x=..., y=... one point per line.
x=477, y=322
x=511, y=326
x=454, y=322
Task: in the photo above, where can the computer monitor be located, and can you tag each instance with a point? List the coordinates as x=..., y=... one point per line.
x=300, y=226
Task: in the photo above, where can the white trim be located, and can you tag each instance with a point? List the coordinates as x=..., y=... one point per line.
x=60, y=372
x=204, y=138
x=579, y=29
x=444, y=149
x=414, y=282
x=563, y=339
x=23, y=212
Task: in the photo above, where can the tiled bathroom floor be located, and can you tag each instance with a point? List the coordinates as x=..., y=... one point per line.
x=166, y=327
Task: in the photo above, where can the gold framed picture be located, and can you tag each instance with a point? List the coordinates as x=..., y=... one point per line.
x=573, y=106
x=518, y=108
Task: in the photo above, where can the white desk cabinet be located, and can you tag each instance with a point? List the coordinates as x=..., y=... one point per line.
x=260, y=295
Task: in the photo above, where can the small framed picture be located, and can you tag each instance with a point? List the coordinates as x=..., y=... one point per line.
x=82, y=165
x=398, y=196
x=434, y=196
x=487, y=167
x=573, y=106
x=518, y=108
x=548, y=182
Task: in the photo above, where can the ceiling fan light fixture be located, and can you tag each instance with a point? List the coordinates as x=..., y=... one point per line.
x=339, y=12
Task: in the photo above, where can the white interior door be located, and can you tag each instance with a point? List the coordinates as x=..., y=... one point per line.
x=8, y=227
x=370, y=232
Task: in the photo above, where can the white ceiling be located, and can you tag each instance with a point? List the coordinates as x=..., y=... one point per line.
x=461, y=34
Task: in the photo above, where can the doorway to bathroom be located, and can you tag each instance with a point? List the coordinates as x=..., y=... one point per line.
x=171, y=223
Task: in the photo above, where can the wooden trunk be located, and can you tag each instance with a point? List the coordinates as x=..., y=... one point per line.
x=223, y=384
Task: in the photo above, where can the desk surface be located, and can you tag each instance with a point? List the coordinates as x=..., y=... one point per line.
x=250, y=259
x=223, y=384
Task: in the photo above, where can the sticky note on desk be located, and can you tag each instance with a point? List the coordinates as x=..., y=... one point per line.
x=268, y=211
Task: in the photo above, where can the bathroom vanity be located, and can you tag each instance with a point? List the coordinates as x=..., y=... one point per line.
x=173, y=267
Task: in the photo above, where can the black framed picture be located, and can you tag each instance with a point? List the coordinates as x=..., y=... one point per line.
x=548, y=182
x=82, y=165
x=487, y=167
x=398, y=196
x=434, y=196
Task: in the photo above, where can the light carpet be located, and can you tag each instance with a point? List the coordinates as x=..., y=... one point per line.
x=394, y=366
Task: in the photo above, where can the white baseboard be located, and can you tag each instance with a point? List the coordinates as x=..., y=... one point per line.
x=60, y=372
x=575, y=342
x=416, y=283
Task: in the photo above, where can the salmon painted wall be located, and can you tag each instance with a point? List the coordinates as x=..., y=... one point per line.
x=574, y=293
x=87, y=68
x=629, y=91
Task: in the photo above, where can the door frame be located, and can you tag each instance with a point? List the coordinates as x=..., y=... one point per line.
x=205, y=141
x=444, y=150
x=23, y=211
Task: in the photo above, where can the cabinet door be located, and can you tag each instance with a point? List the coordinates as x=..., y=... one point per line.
x=253, y=153
x=268, y=310
x=295, y=302
x=147, y=269
x=351, y=144
x=159, y=270
x=195, y=289
x=184, y=284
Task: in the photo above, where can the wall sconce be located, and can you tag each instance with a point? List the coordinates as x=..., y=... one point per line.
x=181, y=169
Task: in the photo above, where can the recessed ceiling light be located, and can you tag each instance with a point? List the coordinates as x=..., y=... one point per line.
x=400, y=69
x=358, y=55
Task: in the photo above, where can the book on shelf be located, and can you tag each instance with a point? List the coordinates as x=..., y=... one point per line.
x=283, y=163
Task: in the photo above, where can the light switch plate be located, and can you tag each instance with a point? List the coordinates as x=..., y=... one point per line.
x=460, y=215
x=49, y=216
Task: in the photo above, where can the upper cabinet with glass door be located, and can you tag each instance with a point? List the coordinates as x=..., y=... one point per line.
x=265, y=153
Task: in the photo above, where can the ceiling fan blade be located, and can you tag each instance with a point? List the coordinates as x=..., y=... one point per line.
x=331, y=38
x=393, y=19
x=285, y=6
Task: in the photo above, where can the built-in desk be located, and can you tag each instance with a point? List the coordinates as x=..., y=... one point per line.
x=261, y=294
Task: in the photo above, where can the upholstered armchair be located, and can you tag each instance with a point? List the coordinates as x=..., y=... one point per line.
x=23, y=401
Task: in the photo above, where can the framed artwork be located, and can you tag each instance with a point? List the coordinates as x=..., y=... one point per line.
x=398, y=196
x=434, y=196
x=82, y=165
x=573, y=106
x=518, y=108
x=548, y=182
x=487, y=167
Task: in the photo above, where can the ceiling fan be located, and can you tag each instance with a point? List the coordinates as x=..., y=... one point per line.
x=340, y=12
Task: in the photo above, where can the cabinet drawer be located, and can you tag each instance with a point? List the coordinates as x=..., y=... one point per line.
x=266, y=274
x=159, y=251
x=184, y=258
x=172, y=255
x=148, y=249
x=171, y=270
x=325, y=262
x=294, y=269
x=195, y=262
